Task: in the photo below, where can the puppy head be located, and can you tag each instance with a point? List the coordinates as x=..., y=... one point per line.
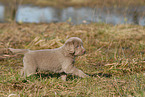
x=74, y=46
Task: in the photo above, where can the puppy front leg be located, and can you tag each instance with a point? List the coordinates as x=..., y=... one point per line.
x=79, y=73
x=73, y=70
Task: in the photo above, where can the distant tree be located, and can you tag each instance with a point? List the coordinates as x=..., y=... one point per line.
x=11, y=9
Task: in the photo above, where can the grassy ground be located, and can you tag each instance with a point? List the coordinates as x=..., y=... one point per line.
x=115, y=60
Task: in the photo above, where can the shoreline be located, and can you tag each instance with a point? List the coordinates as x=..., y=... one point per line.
x=76, y=3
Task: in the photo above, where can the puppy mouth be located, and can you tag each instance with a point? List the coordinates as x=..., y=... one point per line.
x=84, y=52
x=81, y=53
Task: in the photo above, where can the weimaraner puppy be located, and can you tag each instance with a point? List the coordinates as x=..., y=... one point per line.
x=53, y=60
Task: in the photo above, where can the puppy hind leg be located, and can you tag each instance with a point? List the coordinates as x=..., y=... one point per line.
x=22, y=72
x=29, y=68
x=29, y=71
x=29, y=65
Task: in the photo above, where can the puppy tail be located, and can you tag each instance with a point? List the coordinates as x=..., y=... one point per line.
x=19, y=51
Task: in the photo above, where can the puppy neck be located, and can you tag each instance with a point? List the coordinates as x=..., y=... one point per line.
x=66, y=53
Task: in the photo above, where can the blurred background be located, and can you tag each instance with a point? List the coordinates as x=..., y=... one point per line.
x=73, y=11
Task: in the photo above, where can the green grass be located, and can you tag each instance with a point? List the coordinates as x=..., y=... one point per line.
x=115, y=60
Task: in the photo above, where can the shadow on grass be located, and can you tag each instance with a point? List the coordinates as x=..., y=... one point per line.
x=49, y=75
x=58, y=75
x=100, y=75
x=69, y=76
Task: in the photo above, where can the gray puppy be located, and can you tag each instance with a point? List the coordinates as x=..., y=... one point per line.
x=53, y=60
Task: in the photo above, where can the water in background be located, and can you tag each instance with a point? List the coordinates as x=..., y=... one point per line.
x=2, y=13
x=34, y=14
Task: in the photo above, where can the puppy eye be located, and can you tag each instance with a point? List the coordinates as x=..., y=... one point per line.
x=78, y=46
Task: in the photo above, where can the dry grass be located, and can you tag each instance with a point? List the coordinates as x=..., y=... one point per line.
x=115, y=60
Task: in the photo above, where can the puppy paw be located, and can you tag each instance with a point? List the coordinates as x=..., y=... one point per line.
x=63, y=77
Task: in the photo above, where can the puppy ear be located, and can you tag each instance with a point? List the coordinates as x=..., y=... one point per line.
x=70, y=47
